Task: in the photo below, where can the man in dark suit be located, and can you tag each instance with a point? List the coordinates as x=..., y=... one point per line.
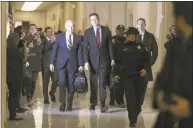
x=150, y=43
x=98, y=56
x=68, y=48
x=48, y=42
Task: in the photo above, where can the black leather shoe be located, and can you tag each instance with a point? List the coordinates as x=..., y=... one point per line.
x=68, y=109
x=132, y=125
x=15, y=118
x=104, y=109
x=30, y=102
x=46, y=102
x=92, y=107
x=53, y=98
x=62, y=107
x=21, y=110
x=121, y=105
x=112, y=102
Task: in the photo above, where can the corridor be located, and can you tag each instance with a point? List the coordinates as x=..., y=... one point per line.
x=49, y=116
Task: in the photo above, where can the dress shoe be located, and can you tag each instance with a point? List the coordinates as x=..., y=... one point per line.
x=15, y=118
x=46, y=102
x=92, y=107
x=112, y=102
x=29, y=101
x=68, y=109
x=104, y=109
x=62, y=107
x=52, y=96
x=132, y=125
x=121, y=105
x=21, y=110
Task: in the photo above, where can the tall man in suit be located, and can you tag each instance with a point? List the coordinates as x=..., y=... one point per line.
x=150, y=43
x=68, y=48
x=48, y=42
x=98, y=57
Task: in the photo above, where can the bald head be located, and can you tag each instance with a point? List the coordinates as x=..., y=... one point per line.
x=69, y=26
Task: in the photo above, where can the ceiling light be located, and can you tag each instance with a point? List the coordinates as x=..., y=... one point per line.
x=30, y=6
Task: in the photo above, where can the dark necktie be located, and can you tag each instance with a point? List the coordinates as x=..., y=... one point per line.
x=98, y=37
x=70, y=42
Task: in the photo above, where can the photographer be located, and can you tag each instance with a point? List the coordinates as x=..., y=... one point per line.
x=172, y=93
x=19, y=30
x=173, y=37
x=33, y=60
x=14, y=74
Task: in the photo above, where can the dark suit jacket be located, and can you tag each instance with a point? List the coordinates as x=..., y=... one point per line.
x=47, y=50
x=63, y=54
x=92, y=53
x=176, y=75
x=151, y=45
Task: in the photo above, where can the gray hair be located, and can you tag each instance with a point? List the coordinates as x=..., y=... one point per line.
x=69, y=21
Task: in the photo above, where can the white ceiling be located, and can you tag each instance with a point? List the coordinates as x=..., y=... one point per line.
x=43, y=7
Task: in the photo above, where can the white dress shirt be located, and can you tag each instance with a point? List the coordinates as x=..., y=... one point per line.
x=95, y=30
x=48, y=38
x=142, y=36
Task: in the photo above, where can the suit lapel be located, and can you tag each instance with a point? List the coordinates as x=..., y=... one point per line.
x=145, y=39
x=102, y=34
x=74, y=40
x=64, y=40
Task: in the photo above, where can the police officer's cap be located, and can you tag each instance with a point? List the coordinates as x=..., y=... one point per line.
x=120, y=27
x=131, y=30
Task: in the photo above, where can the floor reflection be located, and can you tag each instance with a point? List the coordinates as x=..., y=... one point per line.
x=49, y=116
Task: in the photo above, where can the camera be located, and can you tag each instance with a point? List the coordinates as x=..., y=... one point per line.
x=172, y=31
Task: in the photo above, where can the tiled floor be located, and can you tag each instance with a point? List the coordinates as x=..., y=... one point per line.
x=49, y=116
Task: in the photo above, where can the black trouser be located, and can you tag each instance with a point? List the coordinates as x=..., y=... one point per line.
x=186, y=123
x=14, y=87
x=134, y=89
x=102, y=73
x=46, y=78
x=30, y=83
x=116, y=92
x=66, y=77
x=145, y=83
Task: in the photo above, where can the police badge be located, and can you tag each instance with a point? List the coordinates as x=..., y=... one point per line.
x=139, y=47
x=113, y=41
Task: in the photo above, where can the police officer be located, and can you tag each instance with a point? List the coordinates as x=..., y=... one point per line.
x=133, y=58
x=116, y=92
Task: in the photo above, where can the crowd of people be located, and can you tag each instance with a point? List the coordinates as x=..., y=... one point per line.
x=123, y=62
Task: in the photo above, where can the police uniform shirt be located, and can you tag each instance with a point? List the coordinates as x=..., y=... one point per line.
x=132, y=56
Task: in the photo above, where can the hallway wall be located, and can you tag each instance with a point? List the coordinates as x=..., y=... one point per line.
x=36, y=17
x=3, y=26
x=52, y=17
